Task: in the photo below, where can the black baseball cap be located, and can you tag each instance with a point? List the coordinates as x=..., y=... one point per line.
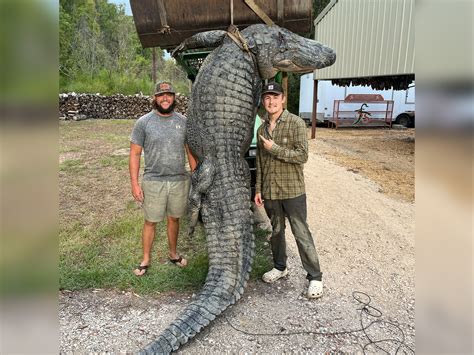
x=272, y=87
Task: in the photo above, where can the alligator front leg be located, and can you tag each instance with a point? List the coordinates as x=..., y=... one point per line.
x=209, y=39
x=200, y=181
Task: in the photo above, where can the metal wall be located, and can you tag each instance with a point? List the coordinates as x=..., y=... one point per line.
x=370, y=37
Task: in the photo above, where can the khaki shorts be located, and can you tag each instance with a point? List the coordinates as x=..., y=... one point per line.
x=165, y=199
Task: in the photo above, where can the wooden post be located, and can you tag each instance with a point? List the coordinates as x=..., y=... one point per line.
x=284, y=84
x=153, y=70
x=315, y=109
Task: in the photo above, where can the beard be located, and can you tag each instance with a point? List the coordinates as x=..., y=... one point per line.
x=162, y=110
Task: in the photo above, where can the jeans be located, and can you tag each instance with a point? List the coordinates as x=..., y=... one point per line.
x=295, y=210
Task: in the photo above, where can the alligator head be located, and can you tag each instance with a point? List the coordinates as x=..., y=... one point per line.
x=278, y=49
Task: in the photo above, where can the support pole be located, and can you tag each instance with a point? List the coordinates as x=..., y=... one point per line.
x=284, y=84
x=315, y=109
x=153, y=70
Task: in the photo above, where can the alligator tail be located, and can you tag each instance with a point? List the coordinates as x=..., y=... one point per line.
x=231, y=248
x=223, y=288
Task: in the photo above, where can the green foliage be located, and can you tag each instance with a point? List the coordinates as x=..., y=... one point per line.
x=319, y=6
x=99, y=51
x=262, y=261
x=294, y=92
x=107, y=83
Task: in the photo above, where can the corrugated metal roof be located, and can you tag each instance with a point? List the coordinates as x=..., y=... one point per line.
x=370, y=37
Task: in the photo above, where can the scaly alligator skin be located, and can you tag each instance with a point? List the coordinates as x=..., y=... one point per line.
x=220, y=125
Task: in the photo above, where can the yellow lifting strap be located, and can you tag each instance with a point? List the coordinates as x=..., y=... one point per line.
x=259, y=12
x=234, y=33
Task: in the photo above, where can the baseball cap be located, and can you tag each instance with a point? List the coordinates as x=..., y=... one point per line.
x=164, y=87
x=272, y=87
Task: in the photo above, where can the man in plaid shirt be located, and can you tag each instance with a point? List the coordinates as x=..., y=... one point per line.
x=282, y=151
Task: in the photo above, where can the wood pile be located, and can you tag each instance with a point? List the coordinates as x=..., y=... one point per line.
x=76, y=107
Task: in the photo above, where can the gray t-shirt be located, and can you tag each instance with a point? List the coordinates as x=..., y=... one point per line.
x=162, y=139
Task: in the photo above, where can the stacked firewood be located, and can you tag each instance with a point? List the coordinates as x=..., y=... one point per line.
x=74, y=106
x=181, y=103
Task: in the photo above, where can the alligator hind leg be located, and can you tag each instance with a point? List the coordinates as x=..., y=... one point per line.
x=201, y=180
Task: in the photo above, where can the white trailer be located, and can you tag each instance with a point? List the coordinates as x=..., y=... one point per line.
x=403, y=106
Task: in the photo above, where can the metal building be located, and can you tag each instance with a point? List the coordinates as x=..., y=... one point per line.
x=370, y=37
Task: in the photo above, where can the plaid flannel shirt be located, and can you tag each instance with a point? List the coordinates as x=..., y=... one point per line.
x=280, y=170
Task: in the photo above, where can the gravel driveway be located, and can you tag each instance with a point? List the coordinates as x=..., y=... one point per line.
x=365, y=241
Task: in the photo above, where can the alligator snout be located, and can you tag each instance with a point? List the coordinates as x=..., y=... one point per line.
x=330, y=56
x=299, y=54
x=312, y=55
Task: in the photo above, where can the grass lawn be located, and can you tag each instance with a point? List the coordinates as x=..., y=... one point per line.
x=100, y=225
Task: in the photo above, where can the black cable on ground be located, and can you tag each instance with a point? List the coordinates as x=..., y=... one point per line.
x=368, y=310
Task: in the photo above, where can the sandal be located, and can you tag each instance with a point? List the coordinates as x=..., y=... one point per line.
x=141, y=268
x=181, y=262
x=315, y=289
x=273, y=275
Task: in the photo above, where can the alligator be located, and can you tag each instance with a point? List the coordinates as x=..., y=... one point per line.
x=221, y=117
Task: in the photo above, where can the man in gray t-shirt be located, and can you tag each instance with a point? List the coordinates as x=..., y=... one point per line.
x=161, y=134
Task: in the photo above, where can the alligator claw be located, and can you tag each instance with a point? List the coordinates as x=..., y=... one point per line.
x=177, y=49
x=193, y=219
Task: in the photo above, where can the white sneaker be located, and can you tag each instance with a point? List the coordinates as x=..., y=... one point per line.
x=273, y=275
x=315, y=289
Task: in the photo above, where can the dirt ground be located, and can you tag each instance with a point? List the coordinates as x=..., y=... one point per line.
x=386, y=156
x=93, y=176
x=360, y=210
